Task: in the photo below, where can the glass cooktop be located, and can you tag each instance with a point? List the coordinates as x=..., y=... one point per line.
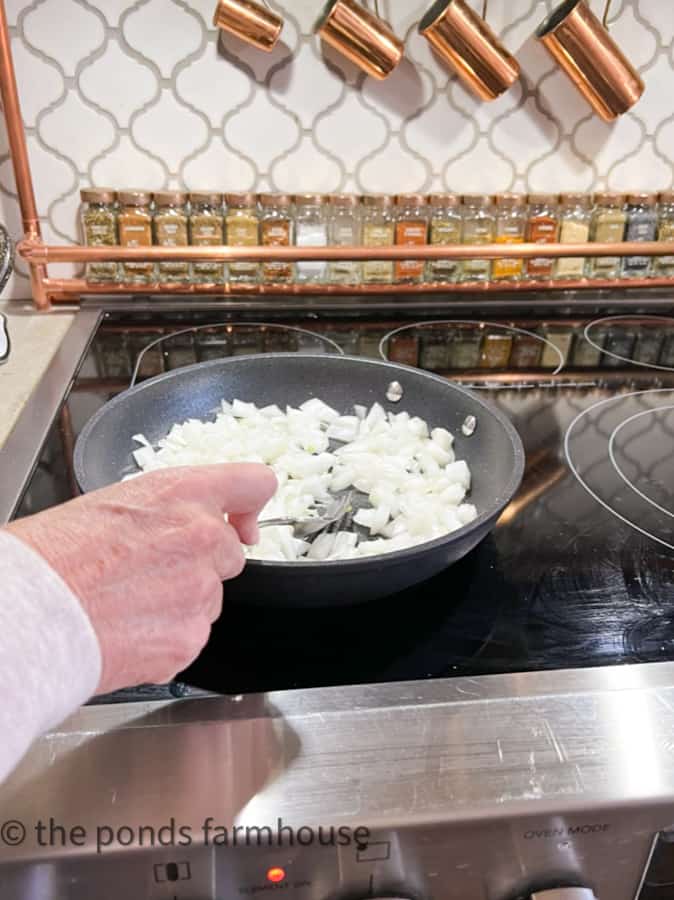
x=579, y=570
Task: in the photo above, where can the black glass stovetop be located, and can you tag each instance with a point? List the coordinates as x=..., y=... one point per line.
x=578, y=572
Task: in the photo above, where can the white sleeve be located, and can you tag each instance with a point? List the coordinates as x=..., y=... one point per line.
x=50, y=660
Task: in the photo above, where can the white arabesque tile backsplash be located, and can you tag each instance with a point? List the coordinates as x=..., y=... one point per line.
x=146, y=93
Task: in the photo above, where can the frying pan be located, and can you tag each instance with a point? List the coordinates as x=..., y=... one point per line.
x=493, y=451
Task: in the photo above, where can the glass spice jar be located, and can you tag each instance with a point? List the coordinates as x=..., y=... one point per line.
x=575, y=215
x=526, y=351
x=445, y=227
x=667, y=355
x=99, y=226
x=464, y=349
x=241, y=230
x=511, y=223
x=206, y=227
x=642, y=225
x=542, y=228
x=368, y=344
x=277, y=230
x=135, y=230
x=620, y=343
x=403, y=348
x=562, y=339
x=664, y=265
x=411, y=229
x=478, y=228
x=378, y=231
x=649, y=345
x=608, y=227
x=311, y=230
x=344, y=230
x=585, y=355
x=434, y=352
x=170, y=230
x=495, y=351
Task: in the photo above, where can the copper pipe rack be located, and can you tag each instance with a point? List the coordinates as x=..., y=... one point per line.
x=46, y=290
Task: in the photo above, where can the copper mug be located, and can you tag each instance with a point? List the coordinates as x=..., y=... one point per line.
x=362, y=37
x=465, y=41
x=253, y=23
x=587, y=53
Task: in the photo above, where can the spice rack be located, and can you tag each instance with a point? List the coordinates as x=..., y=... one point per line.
x=47, y=290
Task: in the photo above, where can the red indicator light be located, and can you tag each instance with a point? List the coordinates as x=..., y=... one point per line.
x=276, y=874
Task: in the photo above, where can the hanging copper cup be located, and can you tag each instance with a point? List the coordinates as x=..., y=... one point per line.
x=584, y=49
x=254, y=23
x=465, y=41
x=362, y=37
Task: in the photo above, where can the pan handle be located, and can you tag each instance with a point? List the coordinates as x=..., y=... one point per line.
x=334, y=347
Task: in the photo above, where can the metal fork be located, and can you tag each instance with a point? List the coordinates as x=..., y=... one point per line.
x=303, y=528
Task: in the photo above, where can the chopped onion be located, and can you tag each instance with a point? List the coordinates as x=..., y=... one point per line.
x=413, y=487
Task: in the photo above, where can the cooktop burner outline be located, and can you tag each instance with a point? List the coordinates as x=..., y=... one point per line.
x=617, y=467
x=421, y=324
x=611, y=441
x=639, y=319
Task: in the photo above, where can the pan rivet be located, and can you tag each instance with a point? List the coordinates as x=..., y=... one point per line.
x=394, y=392
x=469, y=426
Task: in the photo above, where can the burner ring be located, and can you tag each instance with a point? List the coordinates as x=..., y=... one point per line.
x=611, y=453
x=567, y=453
x=627, y=359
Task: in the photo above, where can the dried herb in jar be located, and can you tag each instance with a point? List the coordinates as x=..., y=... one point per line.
x=135, y=230
x=170, y=230
x=206, y=226
x=99, y=225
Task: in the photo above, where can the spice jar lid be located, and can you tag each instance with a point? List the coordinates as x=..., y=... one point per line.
x=640, y=199
x=575, y=198
x=609, y=198
x=275, y=199
x=543, y=199
x=309, y=199
x=443, y=200
x=509, y=201
x=213, y=198
x=170, y=198
x=478, y=199
x=666, y=197
x=131, y=197
x=241, y=201
x=98, y=195
x=380, y=201
x=410, y=200
x=348, y=200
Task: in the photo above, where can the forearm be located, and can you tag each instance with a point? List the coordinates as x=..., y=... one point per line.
x=50, y=661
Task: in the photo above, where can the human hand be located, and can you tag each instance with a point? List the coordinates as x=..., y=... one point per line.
x=147, y=558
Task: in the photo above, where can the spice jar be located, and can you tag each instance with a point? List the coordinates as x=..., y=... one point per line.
x=542, y=228
x=206, y=227
x=241, y=230
x=464, y=349
x=561, y=338
x=411, y=229
x=378, y=231
x=311, y=230
x=478, y=228
x=403, y=348
x=344, y=230
x=445, y=227
x=170, y=230
x=575, y=215
x=585, y=355
x=619, y=347
x=495, y=351
x=276, y=230
x=526, y=351
x=135, y=230
x=664, y=265
x=642, y=225
x=608, y=227
x=649, y=345
x=368, y=344
x=434, y=354
x=99, y=226
x=511, y=223
x=667, y=355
